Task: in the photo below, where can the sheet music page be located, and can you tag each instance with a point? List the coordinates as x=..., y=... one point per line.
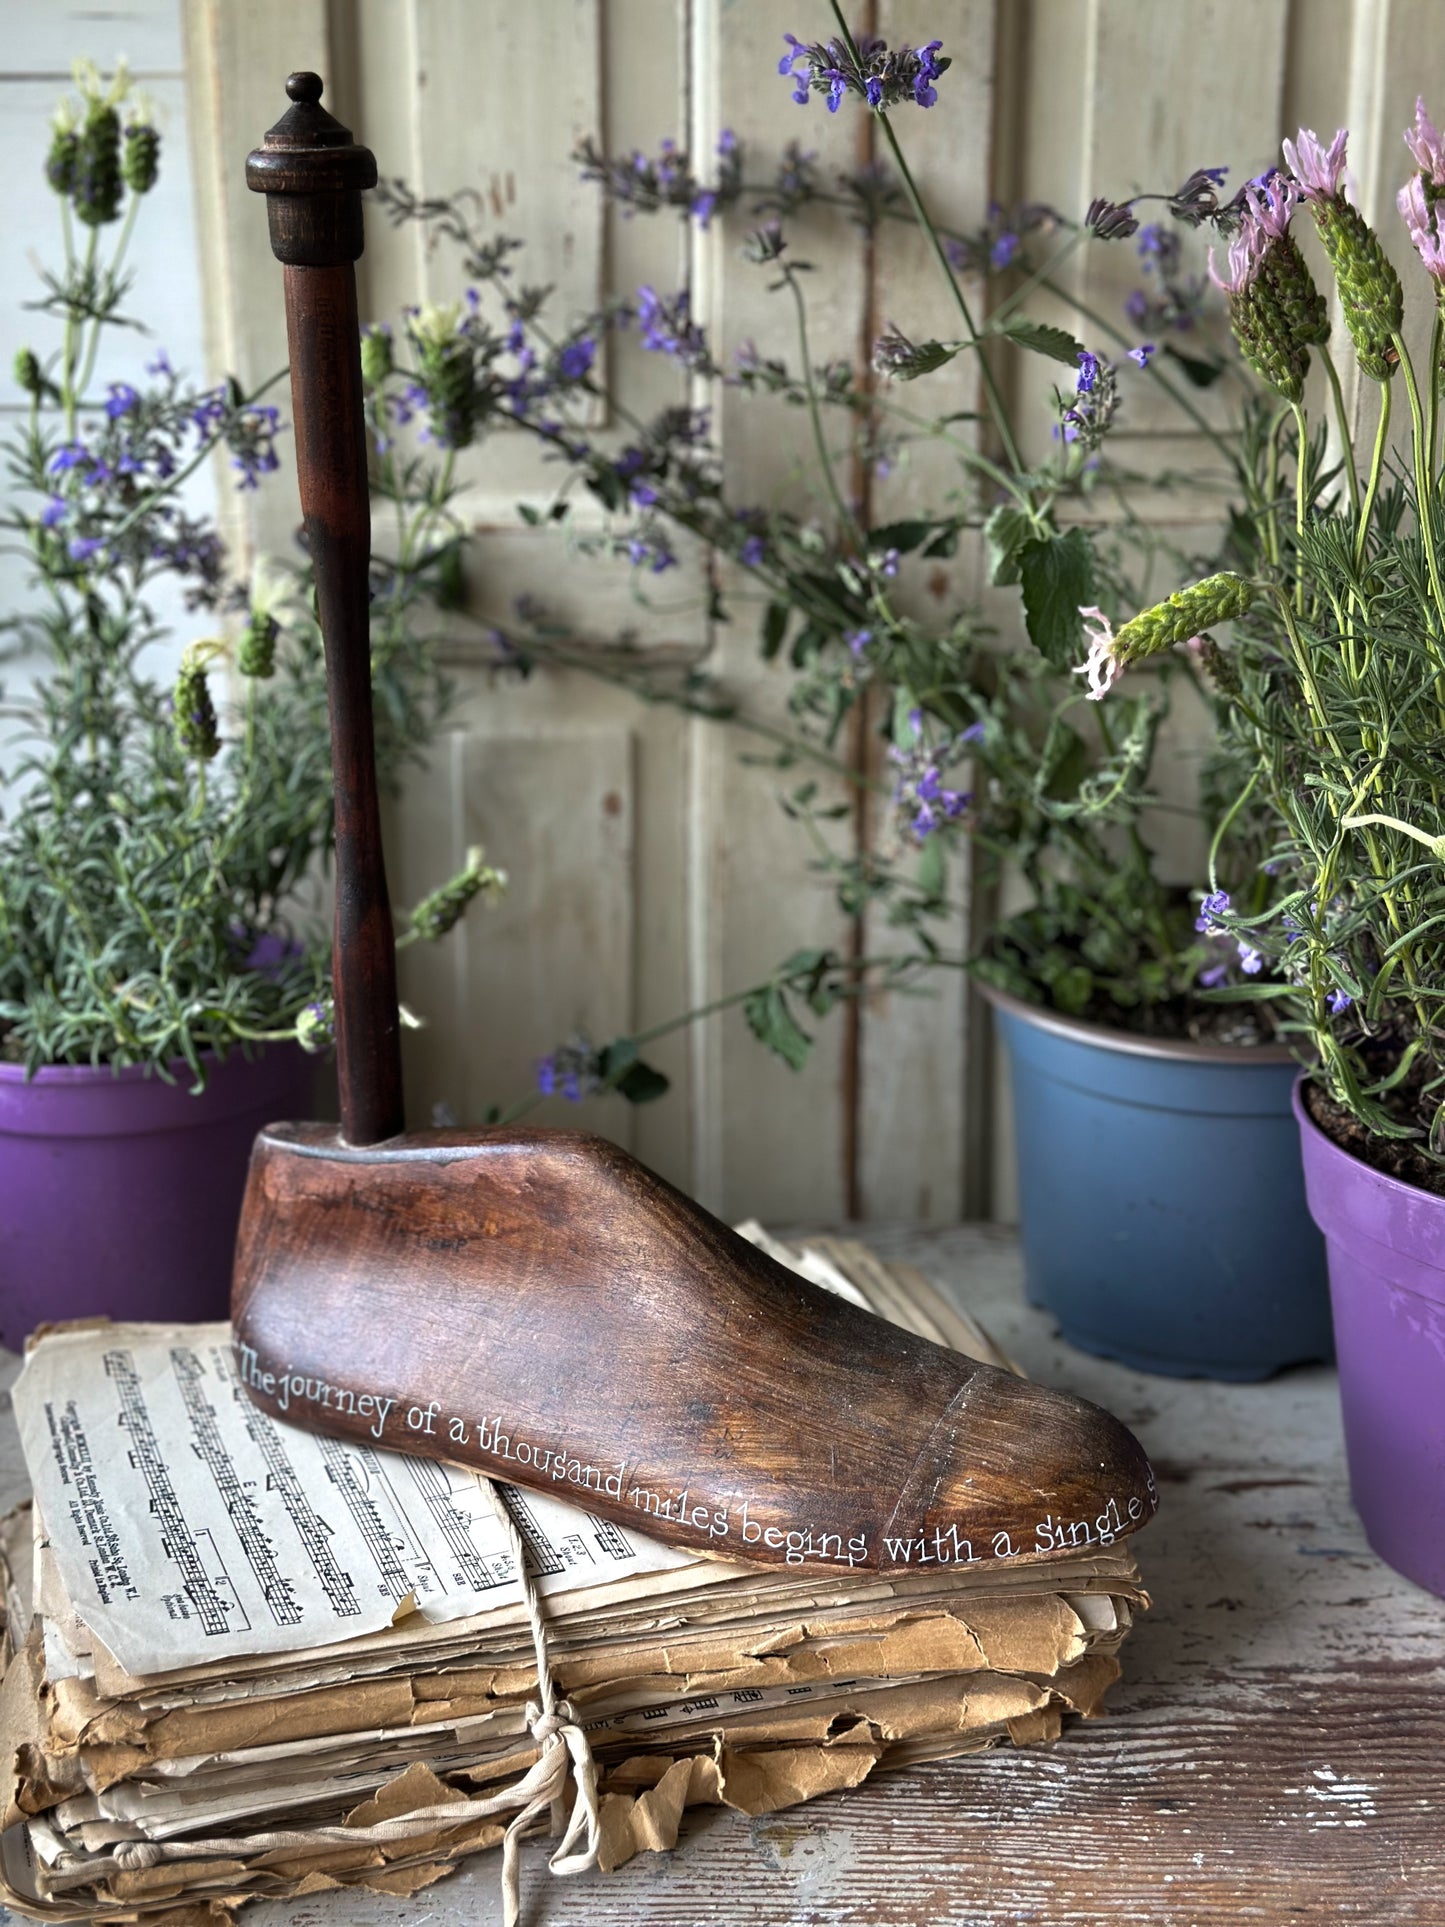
x=187, y=1523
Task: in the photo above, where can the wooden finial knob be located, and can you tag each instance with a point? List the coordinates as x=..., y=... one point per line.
x=312, y=174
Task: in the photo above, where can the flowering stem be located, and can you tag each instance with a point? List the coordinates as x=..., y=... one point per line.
x=996, y=407
x=910, y=187
x=1377, y=465
x=1424, y=515
x=1346, y=443
x=1223, y=830
x=127, y=228
x=1301, y=491
x=856, y=967
x=1437, y=335
x=810, y=389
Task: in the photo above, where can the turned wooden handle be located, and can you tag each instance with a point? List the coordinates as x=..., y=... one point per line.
x=312, y=175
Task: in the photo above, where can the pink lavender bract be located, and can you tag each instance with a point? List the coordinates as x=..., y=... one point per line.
x=1102, y=667
x=1426, y=144
x=1245, y=253
x=1318, y=169
x=1271, y=202
x=1423, y=222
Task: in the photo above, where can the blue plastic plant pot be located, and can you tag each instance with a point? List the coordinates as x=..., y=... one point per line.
x=1161, y=1198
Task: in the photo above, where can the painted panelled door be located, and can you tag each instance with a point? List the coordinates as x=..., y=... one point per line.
x=652, y=867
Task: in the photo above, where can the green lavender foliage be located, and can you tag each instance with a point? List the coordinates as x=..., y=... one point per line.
x=158, y=843
x=1339, y=704
x=1331, y=695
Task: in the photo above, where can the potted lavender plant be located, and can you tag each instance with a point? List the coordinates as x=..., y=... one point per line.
x=1334, y=689
x=160, y=985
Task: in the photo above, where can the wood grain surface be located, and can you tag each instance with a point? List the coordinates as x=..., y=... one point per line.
x=541, y=1306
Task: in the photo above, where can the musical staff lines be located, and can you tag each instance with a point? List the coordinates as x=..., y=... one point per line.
x=434, y=1484
x=542, y=1555
x=239, y=1501
x=345, y=1474
x=214, y=1612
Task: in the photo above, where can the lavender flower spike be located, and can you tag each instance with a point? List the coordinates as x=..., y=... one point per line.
x=1102, y=668
x=1423, y=221
x=1318, y=169
x=1425, y=142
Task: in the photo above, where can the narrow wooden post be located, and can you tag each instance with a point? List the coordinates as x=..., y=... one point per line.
x=312, y=175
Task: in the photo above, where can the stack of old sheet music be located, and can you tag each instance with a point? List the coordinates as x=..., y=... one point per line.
x=230, y=1641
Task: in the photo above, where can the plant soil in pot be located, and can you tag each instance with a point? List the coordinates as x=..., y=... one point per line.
x=1161, y=1202
x=1386, y=1245
x=120, y=1193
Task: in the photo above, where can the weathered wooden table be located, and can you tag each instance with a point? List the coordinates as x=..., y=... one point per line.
x=1275, y=1752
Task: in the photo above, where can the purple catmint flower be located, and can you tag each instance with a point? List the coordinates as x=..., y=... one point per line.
x=82, y=547
x=1250, y=960
x=666, y=327
x=1338, y=999
x=1141, y=354
x=121, y=400
x=642, y=495
x=727, y=141
x=1211, y=909
x=887, y=564
x=161, y=365
x=576, y=359
x=70, y=455
x=1317, y=168
x=55, y=510
x=1110, y=220
x=1213, y=975
x=790, y=61
x=1136, y=307
x=1425, y=143
x=858, y=640
x=651, y=553
x=209, y=412
x=1088, y=371
x=704, y=206
x=975, y=732
x=752, y=551
x=1101, y=666
x=1423, y=222
x=1003, y=250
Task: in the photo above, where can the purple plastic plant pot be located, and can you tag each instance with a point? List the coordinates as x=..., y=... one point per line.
x=120, y=1193
x=1386, y=1246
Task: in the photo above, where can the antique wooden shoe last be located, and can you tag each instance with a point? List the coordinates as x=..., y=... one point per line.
x=537, y=1303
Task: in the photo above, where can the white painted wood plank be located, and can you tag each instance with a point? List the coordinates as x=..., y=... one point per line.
x=766, y=1134
x=237, y=60
x=911, y=1104
x=43, y=37
x=554, y=807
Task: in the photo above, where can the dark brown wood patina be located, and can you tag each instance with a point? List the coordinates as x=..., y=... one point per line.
x=312, y=174
x=537, y=1303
